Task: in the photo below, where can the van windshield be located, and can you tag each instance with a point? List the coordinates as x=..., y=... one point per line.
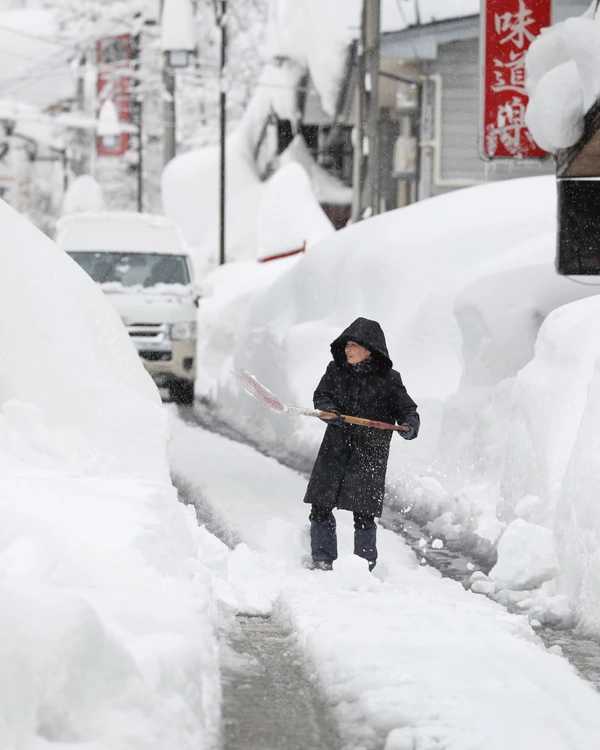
x=133, y=269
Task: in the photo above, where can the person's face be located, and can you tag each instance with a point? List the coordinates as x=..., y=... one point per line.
x=355, y=353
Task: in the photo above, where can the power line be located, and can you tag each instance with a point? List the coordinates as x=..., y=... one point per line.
x=29, y=35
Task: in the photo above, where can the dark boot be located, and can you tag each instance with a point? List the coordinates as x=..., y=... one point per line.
x=319, y=565
x=323, y=538
x=365, y=538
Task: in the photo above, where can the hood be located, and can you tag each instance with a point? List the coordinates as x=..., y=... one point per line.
x=368, y=333
x=153, y=308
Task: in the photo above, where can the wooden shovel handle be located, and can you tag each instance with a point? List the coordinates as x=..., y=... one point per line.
x=364, y=422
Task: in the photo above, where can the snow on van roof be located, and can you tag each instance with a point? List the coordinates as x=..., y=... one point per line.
x=120, y=230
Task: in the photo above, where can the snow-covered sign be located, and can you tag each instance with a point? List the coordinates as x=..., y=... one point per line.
x=508, y=28
x=114, y=83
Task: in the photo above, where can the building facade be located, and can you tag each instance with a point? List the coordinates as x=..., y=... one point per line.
x=430, y=110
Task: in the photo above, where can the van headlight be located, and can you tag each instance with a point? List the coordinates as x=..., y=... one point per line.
x=183, y=331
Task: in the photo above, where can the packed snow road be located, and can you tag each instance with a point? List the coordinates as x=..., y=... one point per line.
x=405, y=658
x=269, y=701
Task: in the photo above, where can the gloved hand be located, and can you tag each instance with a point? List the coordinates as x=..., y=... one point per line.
x=338, y=422
x=408, y=435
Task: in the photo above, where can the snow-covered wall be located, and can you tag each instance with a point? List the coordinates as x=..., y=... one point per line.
x=108, y=615
x=65, y=352
x=553, y=450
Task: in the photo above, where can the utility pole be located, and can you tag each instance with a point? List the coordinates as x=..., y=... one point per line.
x=359, y=132
x=223, y=133
x=138, y=110
x=367, y=139
x=372, y=15
x=169, y=147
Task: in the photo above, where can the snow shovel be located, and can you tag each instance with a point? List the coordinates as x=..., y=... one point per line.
x=251, y=385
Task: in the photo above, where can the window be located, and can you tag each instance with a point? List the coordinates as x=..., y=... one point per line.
x=133, y=269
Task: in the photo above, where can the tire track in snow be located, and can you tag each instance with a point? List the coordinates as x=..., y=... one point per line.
x=269, y=701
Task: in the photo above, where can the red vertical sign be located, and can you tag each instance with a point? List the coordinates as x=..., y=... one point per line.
x=114, y=82
x=508, y=28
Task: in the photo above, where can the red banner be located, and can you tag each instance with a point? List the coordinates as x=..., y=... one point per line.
x=114, y=82
x=508, y=28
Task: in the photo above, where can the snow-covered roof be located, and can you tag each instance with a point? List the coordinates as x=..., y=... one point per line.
x=120, y=230
x=317, y=33
x=563, y=80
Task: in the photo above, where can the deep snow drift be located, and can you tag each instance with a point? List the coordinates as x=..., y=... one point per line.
x=108, y=617
x=66, y=351
x=462, y=305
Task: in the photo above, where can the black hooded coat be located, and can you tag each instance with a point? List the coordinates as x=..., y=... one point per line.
x=350, y=469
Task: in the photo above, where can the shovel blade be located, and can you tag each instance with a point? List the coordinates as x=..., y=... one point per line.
x=251, y=385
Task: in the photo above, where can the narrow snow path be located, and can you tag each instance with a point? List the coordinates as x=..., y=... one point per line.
x=406, y=658
x=268, y=701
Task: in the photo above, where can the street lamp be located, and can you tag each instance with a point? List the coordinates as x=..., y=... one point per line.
x=177, y=44
x=109, y=129
x=177, y=32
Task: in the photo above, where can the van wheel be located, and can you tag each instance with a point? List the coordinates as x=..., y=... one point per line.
x=182, y=392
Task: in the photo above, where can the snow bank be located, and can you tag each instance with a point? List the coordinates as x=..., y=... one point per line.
x=65, y=351
x=83, y=195
x=108, y=613
x=462, y=304
x=563, y=81
x=289, y=214
x=551, y=451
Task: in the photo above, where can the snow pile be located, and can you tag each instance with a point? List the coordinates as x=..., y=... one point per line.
x=552, y=449
x=563, y=80
x=66, y=351
x=289, y=214
x=317, y=35
x=190, y=190
x=327, y=188
x=83, y=195
x=526, y=557
x=107, y=617
x=108, y=611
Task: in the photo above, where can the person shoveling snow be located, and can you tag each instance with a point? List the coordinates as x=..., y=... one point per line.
x=349, y=472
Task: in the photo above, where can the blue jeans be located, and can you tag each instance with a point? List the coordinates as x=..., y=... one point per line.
x=323, y=536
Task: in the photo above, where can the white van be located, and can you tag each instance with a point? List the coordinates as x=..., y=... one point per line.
x=141, y=264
